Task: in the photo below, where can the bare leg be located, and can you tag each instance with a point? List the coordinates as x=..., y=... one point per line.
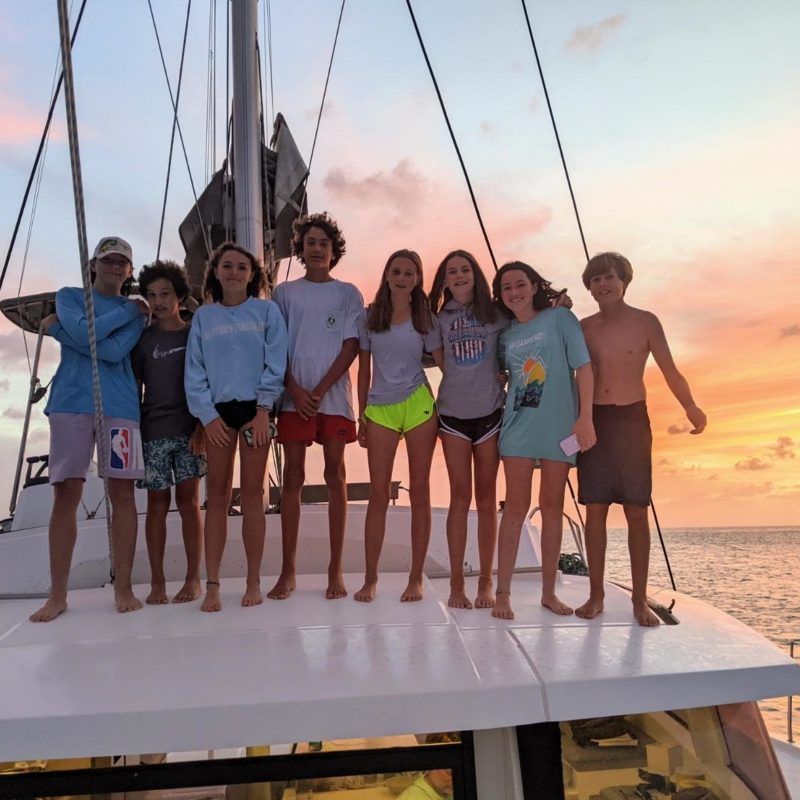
x=639, y=549
x=381, y=449
x=458, y=457
x=420, y=444
x=187, y=500
x=487, y=459
x=62, y=532
x=124, y=527
x=336, y=481
x=218, y=490
x=519, y=474
x=551, y=503
x=596, y=540
x=294, y=454
x=253, y=462
x=155, y=532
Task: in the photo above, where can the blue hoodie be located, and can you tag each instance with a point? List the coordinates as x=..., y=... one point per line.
x=119, y=323
x=235, y=353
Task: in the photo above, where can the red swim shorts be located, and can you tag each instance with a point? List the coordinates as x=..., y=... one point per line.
x=320, y=428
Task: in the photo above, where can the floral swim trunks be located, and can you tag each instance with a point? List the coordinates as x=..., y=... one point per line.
x=169, y=461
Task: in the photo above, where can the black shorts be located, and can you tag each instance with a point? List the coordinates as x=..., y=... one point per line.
x=475, y=430
x=618, y=468
x=237, y=413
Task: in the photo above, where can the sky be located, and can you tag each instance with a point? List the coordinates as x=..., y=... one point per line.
x=680, y=124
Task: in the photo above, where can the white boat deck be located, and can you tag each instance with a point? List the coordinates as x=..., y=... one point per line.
x=171, y=678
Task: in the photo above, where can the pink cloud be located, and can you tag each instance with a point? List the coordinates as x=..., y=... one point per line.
x=591, y=37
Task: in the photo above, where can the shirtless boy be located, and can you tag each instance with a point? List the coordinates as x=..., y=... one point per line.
x=618, y=468
x=321, y=315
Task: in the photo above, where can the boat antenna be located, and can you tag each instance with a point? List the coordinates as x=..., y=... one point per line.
x=555, y=128
x=452, y=135
x=319, y=119
x=40, y=150
x=83, y=248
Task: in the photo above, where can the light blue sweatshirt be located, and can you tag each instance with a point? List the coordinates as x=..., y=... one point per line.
x=235, y=353
x=119, y=323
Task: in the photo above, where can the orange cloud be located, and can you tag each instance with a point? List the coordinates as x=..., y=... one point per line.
x=592, y=37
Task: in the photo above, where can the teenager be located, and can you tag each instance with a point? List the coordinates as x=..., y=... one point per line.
x=119, y=323
x=172, y=439
x=235, y=363
x=545, y=356
x=321, y=315
x=618, y=470
x=470, y=406
x=395, y=401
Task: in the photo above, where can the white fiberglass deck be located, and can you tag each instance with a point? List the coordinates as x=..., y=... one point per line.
x=171, y=678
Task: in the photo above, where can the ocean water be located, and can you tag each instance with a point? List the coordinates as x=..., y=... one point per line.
x=751, y=573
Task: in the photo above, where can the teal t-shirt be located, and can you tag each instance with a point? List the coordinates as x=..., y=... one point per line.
x=541, y=357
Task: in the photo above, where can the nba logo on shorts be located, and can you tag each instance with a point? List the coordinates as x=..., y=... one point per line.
x=119, y=457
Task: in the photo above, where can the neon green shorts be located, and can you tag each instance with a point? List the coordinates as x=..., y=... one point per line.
x=406, y=415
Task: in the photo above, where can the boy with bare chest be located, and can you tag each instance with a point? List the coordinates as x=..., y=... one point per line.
x=618, y=468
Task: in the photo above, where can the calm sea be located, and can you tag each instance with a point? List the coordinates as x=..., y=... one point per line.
x=751, y=573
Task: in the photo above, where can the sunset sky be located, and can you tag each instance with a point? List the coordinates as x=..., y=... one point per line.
x=680, y=122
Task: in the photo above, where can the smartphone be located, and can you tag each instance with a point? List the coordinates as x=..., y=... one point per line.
x=570, y=445
x=248, y=436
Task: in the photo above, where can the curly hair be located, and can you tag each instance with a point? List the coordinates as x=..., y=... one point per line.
x=324, y=221
x=544, y=294
x=379, y=313
x=255, y=286
x=605, y=262
x=483, y=308
x=165, y=270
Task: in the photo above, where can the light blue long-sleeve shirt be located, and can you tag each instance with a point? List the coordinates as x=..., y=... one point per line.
x=119, y=323
x=235, y=353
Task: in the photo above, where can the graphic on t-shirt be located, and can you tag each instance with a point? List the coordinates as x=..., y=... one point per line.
x=330, y=321
x=157, y=354
x=529, y=393
x=467, y=338
x=119, y=457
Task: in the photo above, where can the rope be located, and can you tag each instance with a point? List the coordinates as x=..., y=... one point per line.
x=42, y=143
x=452, y=135
x=319, y=118
x=555, y=129
x=180, y=131
x=228, y=112
x=663, y=545
x=268, y=8
x=83, y=248
x=174, y=125
x=211, y=94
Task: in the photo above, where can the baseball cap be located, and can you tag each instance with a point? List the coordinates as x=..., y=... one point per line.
x=113, y=244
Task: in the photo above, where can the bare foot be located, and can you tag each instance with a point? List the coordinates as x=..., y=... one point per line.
x=283, y=587
x=458, y=598
x=126, y=600
x=50, y=610
x=590, y=609
x=502, y=606
x=336, y=587
x=366, y=594
x=556, y=606
x=158, y=594
x=188, y=592
x=252, y=596
x=644, y=616
x=485, y=596
x=413, y=592
x=211, y=601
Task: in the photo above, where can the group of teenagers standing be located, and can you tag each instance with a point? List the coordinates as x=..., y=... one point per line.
x=523, y=382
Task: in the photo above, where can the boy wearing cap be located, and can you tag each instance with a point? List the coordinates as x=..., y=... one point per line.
x=617, y=469
x=119, y=323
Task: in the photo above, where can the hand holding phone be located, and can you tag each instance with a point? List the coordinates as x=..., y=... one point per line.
x=570, y=445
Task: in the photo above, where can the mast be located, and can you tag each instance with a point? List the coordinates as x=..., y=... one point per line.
x=249, y=222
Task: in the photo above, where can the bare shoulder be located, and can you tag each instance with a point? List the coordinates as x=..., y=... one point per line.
x=587, y=323
x=643, y=317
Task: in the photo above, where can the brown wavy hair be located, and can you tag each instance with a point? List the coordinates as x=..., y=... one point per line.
x=255, y=286
x=603, y=262
x=166, y=270
x=324, y=221
x=483, y=307
x=379, y=313
x=544, y=291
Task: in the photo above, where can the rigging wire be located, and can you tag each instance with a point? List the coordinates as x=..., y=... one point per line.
x=452, y=134
x=174, y=125
x=268, y=9
x=319, y=118
x=555, y=128
x=228, y=113
x=40, y=150
x=180, y=131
